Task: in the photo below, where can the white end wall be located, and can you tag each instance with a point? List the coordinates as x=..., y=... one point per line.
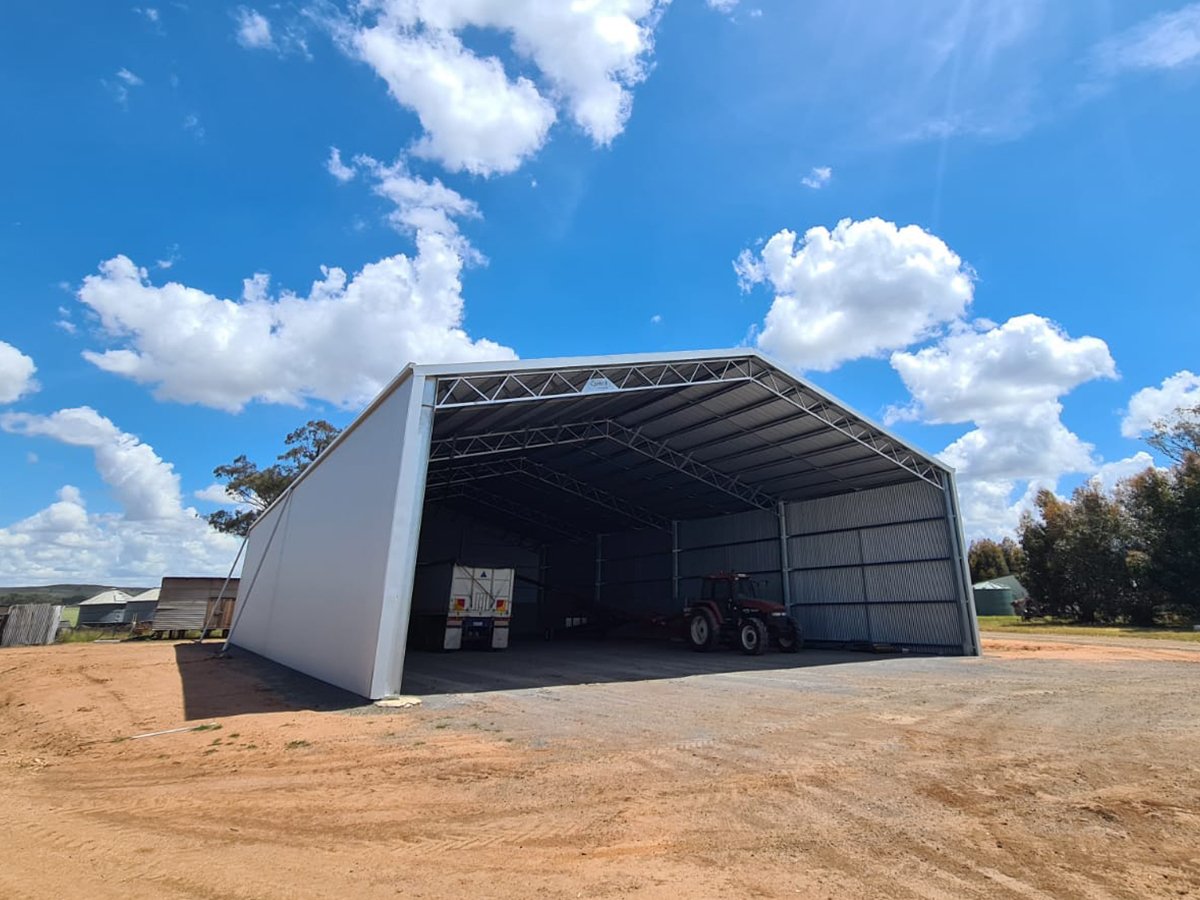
x=314, y=584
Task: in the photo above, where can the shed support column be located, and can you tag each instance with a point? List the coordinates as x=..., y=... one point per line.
x=543, y=618
x=969, y=624
x=785, y=568
x=599, y=566
x=675, y=563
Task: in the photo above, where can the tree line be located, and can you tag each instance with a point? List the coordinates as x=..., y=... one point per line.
x=1130, y=555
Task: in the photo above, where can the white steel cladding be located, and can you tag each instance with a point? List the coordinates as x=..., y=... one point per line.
x=313, y=592
x=607, y=483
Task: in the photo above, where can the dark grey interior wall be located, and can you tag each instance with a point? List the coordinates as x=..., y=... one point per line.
x=447, y=536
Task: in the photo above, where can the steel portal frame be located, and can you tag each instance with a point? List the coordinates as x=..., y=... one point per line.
x=492, y=388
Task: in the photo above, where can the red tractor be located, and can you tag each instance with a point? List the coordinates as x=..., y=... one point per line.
x=729, y=612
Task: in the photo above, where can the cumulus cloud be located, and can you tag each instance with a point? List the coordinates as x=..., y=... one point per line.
x=1168, y=40
x=998, y=374
x=145, y=486
x=153, y=535
x=421, y=207
x=16, y=374
x=475, y=116
x=817, y=177
x=253, y=29
x=1110, y=474
x=1007, y=380
x=860, y=290
x=340, y=342
x=1151, y=404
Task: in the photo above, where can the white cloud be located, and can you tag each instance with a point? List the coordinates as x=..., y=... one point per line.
x=1007, y=381
x=656, y=319
x=154, y=534
x=723, y=6
x=338, y=169
x=860, y=290
x=1109, y=474
x=475, y=116
x=1037, y=445
x=1168, y=40
x=253, y=29
x=817, y=177
x=149, y=12
x=119, y=88
x=421, y=207
x=146, y=487
x=1153, y=403
x=16, y=374
x=340, y=342
x=193, y=125
x=219, y=495
x=998, y=374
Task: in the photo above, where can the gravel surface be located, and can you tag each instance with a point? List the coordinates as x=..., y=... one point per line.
x=1045, y=769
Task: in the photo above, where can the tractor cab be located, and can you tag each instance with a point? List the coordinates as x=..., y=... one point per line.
x=737, y=593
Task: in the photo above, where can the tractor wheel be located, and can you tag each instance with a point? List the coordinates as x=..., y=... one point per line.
x=753, y=637
x=791, y=638
x=702, y=631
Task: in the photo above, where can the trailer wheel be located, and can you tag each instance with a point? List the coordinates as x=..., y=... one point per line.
x=753, y=637
x=703, y=633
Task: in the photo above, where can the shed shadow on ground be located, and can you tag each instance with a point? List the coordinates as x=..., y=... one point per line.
x=243, y=682
x=538, y=664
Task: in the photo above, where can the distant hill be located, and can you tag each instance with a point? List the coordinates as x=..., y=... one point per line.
x=58, y=593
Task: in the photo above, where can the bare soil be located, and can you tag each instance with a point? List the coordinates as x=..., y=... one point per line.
x=1045, y=769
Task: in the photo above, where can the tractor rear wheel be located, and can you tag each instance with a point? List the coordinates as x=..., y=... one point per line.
x=702, y=630
x=753, y=637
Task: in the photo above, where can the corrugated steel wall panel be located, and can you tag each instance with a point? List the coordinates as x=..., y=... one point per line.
x=755, y=525
x=918, y=624
x=880, y=506
x=761, y=556
x=915, y=540
x=876, y=566
x=908, y=581
x=828, y=586
x=102, y=614
x=842, y=623
x=837, y=549
x=31, y=625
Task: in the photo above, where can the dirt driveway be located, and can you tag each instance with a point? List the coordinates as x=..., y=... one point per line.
x=1037, y=771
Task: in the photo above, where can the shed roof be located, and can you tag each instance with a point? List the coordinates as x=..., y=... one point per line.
x=146, y=596
x=609, y=442
x=109, y=597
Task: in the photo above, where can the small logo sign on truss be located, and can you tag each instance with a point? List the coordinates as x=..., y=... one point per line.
x=599, y=384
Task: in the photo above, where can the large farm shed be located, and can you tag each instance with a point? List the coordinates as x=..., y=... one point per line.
x=607, y=483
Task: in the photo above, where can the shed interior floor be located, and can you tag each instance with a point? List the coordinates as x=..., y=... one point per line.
x=535, y=663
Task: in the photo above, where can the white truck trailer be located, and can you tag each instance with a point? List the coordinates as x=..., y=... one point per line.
x=456, y=606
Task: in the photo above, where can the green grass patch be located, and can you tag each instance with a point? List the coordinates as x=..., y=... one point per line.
x=1038, y=627
x=87, y=635
x=211, y=726
x=296, y=745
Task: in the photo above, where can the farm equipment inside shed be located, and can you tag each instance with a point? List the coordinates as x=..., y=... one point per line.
x=730, y=611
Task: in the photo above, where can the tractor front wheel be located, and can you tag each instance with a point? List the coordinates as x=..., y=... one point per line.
x=703, y=633
x=753, y=637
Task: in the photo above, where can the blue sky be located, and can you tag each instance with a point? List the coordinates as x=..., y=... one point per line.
x=973, y=221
